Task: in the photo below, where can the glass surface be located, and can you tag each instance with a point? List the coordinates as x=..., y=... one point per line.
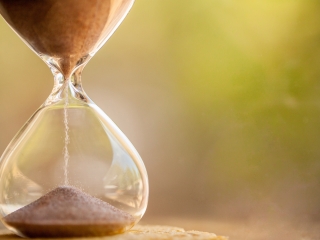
x=69, y=141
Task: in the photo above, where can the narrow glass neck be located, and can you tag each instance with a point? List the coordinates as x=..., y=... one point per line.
x=69, y=89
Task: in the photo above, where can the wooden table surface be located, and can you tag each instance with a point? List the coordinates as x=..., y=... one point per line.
x=255, y=229
x=248, y=229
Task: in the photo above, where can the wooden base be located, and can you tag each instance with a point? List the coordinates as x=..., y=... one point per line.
x=148, y=232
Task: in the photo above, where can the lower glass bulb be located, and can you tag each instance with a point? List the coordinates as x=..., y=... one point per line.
x=70, y=154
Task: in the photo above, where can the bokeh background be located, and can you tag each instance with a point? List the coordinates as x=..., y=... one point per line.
x=220, y=97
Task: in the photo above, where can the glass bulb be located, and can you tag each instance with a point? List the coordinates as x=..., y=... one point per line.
x=69, y=141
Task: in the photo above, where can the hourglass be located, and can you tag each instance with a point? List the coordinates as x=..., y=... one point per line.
x=69, y=171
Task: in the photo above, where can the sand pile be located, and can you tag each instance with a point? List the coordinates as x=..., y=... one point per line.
x=69, y=212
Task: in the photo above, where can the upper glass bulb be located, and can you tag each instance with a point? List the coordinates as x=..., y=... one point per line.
x=69, y=171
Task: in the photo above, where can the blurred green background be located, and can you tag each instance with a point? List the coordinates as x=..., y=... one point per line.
x=221, y=98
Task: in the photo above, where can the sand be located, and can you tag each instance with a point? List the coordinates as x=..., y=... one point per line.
x=68, y=212
x=66, y=30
